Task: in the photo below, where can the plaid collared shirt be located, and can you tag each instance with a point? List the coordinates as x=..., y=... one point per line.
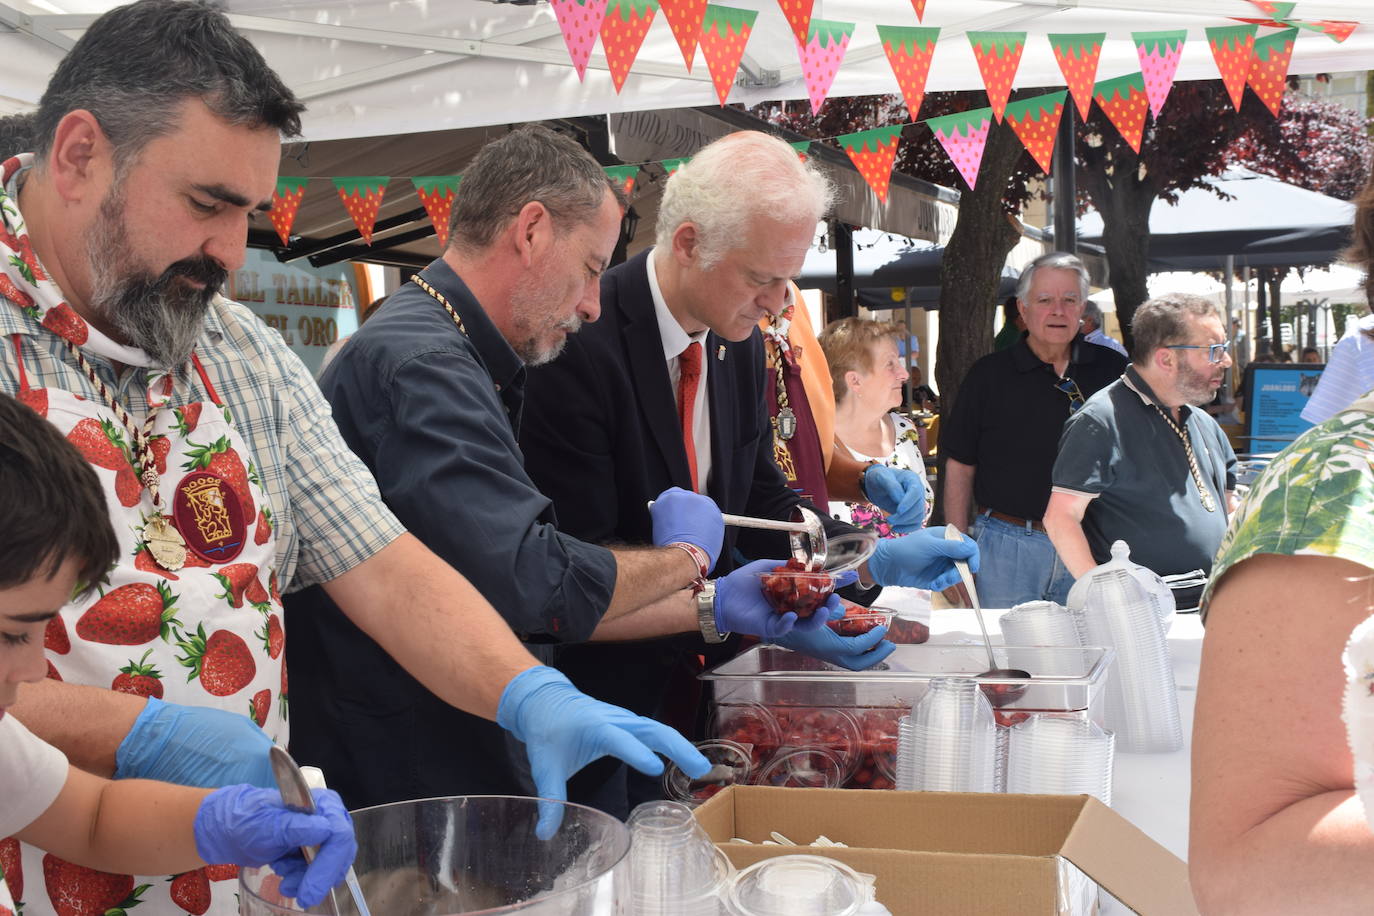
x=326, y=510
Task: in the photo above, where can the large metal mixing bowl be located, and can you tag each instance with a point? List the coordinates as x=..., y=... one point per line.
x=471, y=854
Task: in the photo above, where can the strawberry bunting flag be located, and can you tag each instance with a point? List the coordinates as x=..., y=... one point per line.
x=724, y=32
x=910, y=52
x=672, y=165
x=1077, y=56
x=362, y=198
x=623, y=176
x=286, y=200
x=1125, y=104
x=436, y=192
x=801, y=146
x=684, y=18
x=1159, y=54
x=622, y=35
x=1233, y=47
x=1036, y=122
x=821, y=56
x=1269, y=68
x=580, y=21
x=964, y=137
x=873, y=153
x=798, y=16
x=998, y=55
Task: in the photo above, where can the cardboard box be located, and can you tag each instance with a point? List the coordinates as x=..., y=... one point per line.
x=956, y=854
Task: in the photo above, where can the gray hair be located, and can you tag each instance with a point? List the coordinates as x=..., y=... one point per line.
x=1055, y=260
x=529, y=164
x=1163, y=321
x=733, y=180
x=137, y=63
x=1092, y=312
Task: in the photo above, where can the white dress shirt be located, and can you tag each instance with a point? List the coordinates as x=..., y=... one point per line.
x=1349, y=374
x=675, y=340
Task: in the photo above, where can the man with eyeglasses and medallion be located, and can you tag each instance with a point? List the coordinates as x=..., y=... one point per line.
x=1139, y=463
x=1001, y=440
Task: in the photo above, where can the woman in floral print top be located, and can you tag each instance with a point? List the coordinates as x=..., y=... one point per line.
x=1278, y=823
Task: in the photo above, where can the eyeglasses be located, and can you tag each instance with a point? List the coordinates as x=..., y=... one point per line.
x=1070, y=388
x=1215, y=352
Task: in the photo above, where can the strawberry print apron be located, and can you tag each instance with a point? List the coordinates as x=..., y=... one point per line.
x=207, y=634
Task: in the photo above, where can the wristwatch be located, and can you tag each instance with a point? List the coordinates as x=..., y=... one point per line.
x=706, y=614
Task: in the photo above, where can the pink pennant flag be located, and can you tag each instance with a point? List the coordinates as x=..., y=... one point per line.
x=964, y=137
x=1159, y=54
x=580, y=21
x=821, y=56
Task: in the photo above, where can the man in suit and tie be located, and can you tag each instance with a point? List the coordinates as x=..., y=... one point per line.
x=667, y=389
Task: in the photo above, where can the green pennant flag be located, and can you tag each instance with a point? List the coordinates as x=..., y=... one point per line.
x=623, y=176
x=672, y=165
x=802, y=147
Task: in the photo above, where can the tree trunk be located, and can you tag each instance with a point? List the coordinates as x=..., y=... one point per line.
x=971, y=269
x=1118, y=192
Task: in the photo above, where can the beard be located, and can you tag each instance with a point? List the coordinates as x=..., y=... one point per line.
x=1195, y=387
x=161, y=315
x=532, y=324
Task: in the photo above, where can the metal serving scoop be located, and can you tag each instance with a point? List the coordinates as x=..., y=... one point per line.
x=997, y=694
x=805, y=531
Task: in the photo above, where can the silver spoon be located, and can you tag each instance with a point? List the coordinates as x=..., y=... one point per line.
x=811, y=551
x=997, y=694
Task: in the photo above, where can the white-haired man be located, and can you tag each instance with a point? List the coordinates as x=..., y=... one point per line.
x=668, y=389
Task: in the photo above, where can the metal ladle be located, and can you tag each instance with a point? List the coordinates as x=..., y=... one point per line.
x=807, y=536
x=997, y=694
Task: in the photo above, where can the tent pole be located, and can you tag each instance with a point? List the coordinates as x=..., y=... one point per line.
x=1226, y=381
x=844, y=271
x=1063, y=185
x=906, y=345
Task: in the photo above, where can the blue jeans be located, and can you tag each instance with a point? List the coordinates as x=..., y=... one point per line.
x=1016, y=564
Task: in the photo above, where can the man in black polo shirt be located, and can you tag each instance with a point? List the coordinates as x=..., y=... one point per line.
x=1001, y=440
x=1138, y=464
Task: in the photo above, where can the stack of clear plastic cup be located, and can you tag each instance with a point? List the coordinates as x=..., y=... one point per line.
x=1037, y=623
x=674, y=868
x=1139, y=700
x=798, y=885
x=1060, y=755
x=949, y=742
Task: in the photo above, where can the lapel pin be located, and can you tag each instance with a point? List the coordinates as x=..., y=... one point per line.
x=720, y=353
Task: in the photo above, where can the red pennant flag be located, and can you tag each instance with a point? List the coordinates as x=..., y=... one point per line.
x=1124, y=102
x=998, y=55
x=286, y=200
x=798, y=15
x=362, y=198
x=1036, y=122
x=1159, y=54
x=1274, y=10
x=1269, y=69
x=873, y=153
x=964, y=137
x=920, y=7
x=724, y=33
x=436, y=192
x=1077, y=56
x=580, y=21
x=684, y=18
x=623, y=176
x=622, y=35
x=910, y=52
x=821, y=55
x=1233, y=47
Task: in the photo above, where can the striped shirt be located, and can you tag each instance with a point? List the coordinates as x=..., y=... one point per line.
x=1348, y=376
x=327, y=513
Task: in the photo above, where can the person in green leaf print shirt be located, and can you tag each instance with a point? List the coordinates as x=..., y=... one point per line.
x=1277, y=822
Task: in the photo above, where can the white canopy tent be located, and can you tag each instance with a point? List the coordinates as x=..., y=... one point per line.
x=379, y=67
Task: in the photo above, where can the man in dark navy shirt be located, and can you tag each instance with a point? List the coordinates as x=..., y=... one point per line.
x=1002, y=437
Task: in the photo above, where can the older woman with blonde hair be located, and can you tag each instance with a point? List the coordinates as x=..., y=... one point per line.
x=868, y=377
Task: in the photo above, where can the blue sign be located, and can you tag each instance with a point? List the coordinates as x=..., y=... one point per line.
x=1275, y=394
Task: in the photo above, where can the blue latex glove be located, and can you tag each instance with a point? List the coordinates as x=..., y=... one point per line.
x=922, y=559
x=243, y=825
x=742, y=608
x=681, y=515
x=900, y=493
x=194, y=746
x=853, y=652
x=564, y=730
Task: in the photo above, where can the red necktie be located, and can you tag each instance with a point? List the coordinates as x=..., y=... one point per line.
x=689, y=364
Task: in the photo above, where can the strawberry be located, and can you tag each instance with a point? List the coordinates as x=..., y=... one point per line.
x=362, y=198
x=75, y=890
x=259, y=706
x=130, y=615
x=580, y=21
x=139, y=678
x=63, y=321
x=12, y=867
x=272, y=636
x=684, y=18
x=1268, y=75
x=223, y=662
x=235, y=579
x=909, y=52
x=55, y=638
x=160, y=446
x=1036, y=122
x=1077, y=56
x=272, y=586
x=13, y=293
x=221, y=872
x=1124, y=102
x=263, y=531
x=622, y=35
x=792, y=587
x=128, y=488
x=100, y=443
x=281, y=697
x=724, y=32
x=256, y=595
x=873, y=152
x=28, y=261
x=964, y=137
x=144, y=562
x=907, y=631
x=798, y=16
x=436, y=193
x=36, y=399
x=1159, y=54
x=821, y=56
x=286, y=200
x=998, y=55
x=191, y=891
x=1233, y=47
x=187, y=418
x=52, y=672
x=222, y=461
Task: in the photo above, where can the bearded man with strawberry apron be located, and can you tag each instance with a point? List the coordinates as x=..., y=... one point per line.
x=225, y=477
